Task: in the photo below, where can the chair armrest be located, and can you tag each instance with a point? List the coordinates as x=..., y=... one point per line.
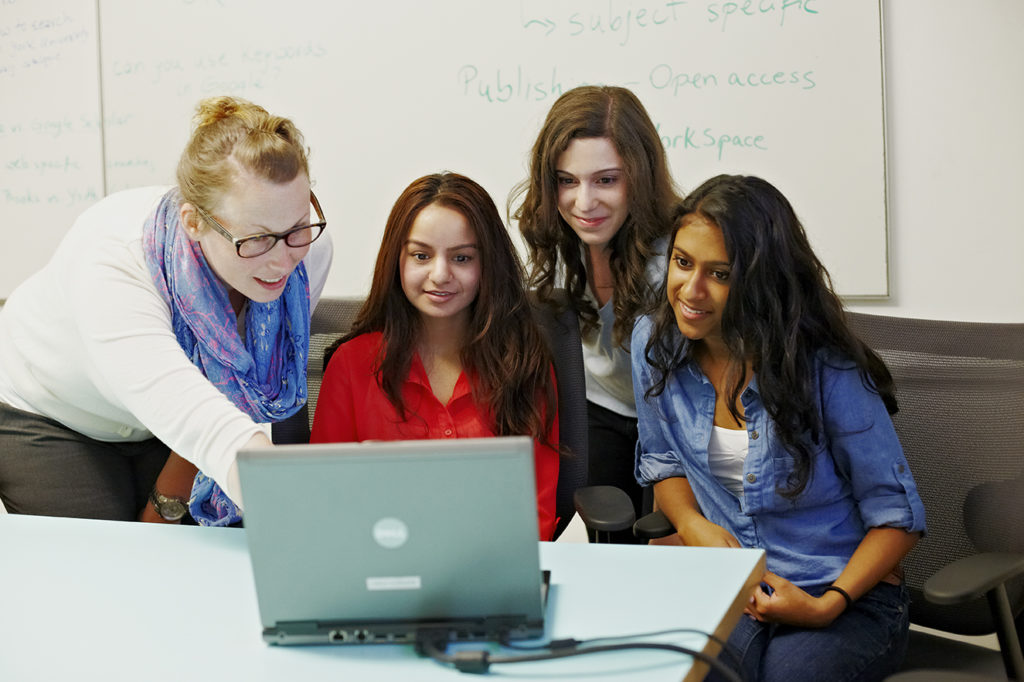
x=972, y=577
x=653, y=526
x=604, y=508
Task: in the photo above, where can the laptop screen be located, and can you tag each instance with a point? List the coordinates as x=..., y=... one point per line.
x=371, y=541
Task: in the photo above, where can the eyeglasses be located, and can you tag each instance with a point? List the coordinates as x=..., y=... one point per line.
x=259, y=244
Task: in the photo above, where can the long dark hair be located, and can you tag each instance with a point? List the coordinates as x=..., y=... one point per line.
x=780, y=313
x=505, y=354
x=587, y=112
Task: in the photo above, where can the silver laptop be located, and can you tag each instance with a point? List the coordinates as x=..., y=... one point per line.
x=380, y=542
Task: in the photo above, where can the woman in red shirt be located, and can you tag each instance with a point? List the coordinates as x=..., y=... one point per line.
x=446, y=345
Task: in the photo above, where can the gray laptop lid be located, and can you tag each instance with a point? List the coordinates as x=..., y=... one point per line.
x=367, y=541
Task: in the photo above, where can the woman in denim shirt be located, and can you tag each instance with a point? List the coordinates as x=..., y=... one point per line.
x=764, y=422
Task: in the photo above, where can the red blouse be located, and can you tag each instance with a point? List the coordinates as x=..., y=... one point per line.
x=352, y=407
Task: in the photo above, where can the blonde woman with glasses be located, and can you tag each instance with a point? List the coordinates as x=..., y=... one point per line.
x=169, y=328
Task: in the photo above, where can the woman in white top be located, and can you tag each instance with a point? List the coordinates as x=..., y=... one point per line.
x=598, y=200
x=168, y=326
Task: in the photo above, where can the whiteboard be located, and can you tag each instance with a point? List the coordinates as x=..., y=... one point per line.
x=51, y=165
x=386, y=92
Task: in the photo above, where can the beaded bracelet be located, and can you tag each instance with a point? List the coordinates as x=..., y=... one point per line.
x=846, y=596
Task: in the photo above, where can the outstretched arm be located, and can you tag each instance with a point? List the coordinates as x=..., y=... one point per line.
x=175, y=480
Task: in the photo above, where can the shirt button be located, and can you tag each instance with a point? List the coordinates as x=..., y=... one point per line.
x=751, y=478
x=753, y=435
x=124, y=431
x=448, y=432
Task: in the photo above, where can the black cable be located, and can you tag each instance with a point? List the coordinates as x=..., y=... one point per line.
x=572, y=642
x=479, y=661
x=560, y=643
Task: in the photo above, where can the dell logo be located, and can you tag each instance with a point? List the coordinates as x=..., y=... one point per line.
x=390, y=533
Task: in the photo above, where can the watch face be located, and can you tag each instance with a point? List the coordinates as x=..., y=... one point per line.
x=171, y=509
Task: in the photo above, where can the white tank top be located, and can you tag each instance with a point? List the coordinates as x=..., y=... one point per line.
x=727, y=450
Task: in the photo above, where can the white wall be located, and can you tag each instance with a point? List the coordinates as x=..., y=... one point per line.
x=955, y=119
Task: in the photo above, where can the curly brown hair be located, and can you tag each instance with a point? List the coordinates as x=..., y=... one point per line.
x=587, y=112
x=781, y=313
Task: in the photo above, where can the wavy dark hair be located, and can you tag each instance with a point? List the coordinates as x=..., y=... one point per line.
x=505, y=353
x=588, y=112
x=780, y=313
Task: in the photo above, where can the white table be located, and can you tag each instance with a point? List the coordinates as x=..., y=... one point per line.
x=104, y=600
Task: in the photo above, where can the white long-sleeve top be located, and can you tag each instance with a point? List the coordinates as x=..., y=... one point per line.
x=87, y=341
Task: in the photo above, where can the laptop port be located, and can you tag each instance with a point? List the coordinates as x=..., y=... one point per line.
x=362, y=635
x=338, y=636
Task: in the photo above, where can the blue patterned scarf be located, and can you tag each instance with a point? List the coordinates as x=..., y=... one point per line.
x=266, y=376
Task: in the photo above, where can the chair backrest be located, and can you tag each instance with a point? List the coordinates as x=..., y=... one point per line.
x=960, y=387
x=331, y=320
x=561, y=328
x=333, y=317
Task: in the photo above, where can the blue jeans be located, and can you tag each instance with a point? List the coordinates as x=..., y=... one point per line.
x=866, y=642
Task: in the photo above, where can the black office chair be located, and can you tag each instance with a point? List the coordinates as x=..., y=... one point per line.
x=333, y=317
x=960, y=388
x=603, y=509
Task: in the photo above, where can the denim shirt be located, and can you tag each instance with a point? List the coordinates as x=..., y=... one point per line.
x=859, y=476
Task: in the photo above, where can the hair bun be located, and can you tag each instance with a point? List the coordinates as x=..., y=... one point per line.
x=214, y=109
x=230, y=134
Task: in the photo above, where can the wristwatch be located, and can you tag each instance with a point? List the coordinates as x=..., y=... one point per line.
x=169, y=508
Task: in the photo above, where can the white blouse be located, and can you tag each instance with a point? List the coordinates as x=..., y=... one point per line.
x=87, y=341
